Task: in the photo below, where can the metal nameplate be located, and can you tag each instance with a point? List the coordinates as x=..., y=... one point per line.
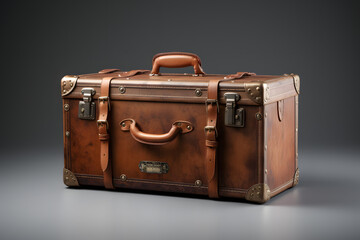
x=153, y=167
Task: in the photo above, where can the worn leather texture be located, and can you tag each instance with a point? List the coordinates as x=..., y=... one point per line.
x=141, y=127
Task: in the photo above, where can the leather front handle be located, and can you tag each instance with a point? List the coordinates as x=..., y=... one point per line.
x=155, y=139
x=176, y=60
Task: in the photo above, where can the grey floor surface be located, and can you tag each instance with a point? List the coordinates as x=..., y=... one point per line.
x=34, y=204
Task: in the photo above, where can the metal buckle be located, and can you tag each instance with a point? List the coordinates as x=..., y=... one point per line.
x=103, y=99
x=212, y=101
x=210, y=128
x=102, y=122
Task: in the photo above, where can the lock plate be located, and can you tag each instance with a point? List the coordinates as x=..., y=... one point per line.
x=87, y=108
x=234, y=116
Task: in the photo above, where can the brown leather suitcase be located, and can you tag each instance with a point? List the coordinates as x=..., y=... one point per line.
x=217, y=135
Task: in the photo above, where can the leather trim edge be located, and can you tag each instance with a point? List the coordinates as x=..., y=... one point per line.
x=69, y=178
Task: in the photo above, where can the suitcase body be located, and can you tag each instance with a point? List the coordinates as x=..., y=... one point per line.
x=216, y=135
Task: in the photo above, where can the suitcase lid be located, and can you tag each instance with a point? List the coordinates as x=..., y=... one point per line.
x=143, y=85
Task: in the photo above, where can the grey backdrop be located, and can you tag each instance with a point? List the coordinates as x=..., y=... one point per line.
x=41, y=41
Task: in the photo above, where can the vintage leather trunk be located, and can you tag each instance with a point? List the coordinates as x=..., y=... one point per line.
x=216, y=135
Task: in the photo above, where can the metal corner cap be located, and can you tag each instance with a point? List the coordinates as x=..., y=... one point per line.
x=69, y=178
x=296, y=177
x=259, y=193
x=68, y=84
x=255, y=91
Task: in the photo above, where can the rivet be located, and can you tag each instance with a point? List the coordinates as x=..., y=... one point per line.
x=169, y=80
x=188, y=127
x=296, y=129
x=252, y=194
x=249, y=89
x=258, y=116
x=64, y=91
x=266, y=171
x=123, y=124
x=127, y=78
x=67, y=178
x=251, y=94
x=198, y=92
x=66, y=172
x=258, y=98
x=82, y=110
x=67, y=133
x=66, y=107
x=259, y=187
x=64, y=83
x=265, y=147
x=123, y=177
x=258, y=88
x=122, y=90
x=236, y=117
x=71, y=84
x=265, y=114
x=258, y=193
x=198, y=183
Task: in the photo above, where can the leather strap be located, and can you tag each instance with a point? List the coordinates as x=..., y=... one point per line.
x=104, y=137
x=124, y=74
x=212, y=105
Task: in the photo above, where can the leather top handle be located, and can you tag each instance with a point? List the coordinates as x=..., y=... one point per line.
x=176, y=60
x=155, y=139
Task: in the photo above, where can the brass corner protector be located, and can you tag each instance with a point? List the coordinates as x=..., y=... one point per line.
x=259, y=193
x=255, y=91
x=68, y=84
x=296, y=80
x=296, y=177
x=69, y=178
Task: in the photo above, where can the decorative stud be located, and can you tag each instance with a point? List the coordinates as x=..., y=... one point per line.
x=188, y=127
x=122, y=89
x=198, y=92
x=123, y=177
x=198, y=183
x=66, y=107
x=258, y=116
x=67, y=134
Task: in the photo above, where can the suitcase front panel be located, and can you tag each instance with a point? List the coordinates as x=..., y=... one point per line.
x=238, y=154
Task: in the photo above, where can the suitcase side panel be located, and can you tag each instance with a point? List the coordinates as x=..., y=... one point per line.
x=280, y=145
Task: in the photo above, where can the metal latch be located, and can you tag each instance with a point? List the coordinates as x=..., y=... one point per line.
x=87, y=110
x=234, y=117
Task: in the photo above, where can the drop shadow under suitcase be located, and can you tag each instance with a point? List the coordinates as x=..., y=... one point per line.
x=216, y=135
